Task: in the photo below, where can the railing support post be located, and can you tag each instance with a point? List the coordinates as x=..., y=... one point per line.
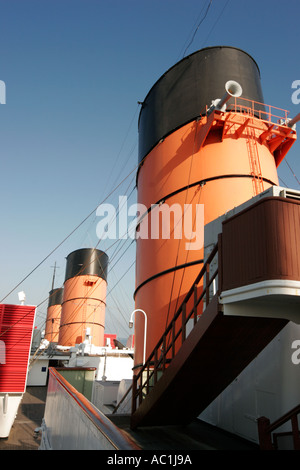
x=173, y=339
x=220, y=265
x=140, y=389
x=295, y=430
x=183, y=325
x=207, y=284
x=155, y=367
x=195, y=304
x=264, y=435
x=133, y=399
x=164, y=348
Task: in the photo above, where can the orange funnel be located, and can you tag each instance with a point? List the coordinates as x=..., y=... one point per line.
x=190, y=156
x=83, y=307
x=53, y=315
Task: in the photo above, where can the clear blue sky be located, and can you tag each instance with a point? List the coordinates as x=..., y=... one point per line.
x=74, y=71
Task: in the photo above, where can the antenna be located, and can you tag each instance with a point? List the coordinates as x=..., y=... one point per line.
x=54, y=271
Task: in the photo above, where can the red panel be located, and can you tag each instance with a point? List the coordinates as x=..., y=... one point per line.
x=16, y=325
x=111, y=337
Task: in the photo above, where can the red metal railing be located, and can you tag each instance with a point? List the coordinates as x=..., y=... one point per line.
x=266, y=112
x=266, y=430
x=175, y=334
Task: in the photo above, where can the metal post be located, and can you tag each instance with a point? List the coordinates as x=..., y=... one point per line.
x=145, y=329
x=265, y=439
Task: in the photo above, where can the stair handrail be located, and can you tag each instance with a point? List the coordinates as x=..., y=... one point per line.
x=153, y=359
x=265, y=429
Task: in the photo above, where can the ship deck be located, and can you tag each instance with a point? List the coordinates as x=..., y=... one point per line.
x=29, y=417
x=198, y=435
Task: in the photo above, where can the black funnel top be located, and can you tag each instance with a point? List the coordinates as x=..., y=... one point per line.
x=87, y=261
x=183, y=92
x=55, y=297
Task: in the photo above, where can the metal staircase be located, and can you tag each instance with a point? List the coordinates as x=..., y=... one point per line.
x=241, y=299
x=198, y=355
